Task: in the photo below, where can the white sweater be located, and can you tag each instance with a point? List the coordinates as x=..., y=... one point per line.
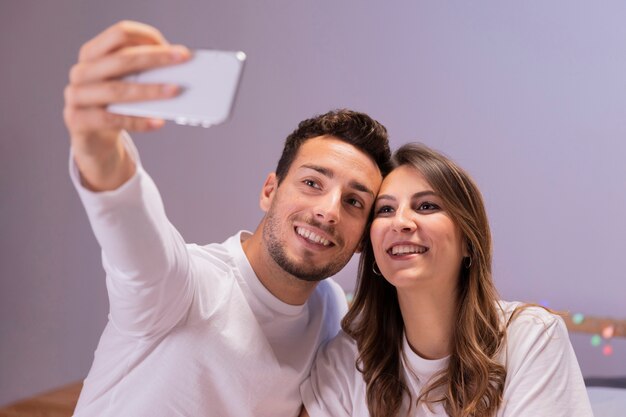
x=543, y=377
x=192, y=331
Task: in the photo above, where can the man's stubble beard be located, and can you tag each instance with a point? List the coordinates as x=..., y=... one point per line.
x=303, y=271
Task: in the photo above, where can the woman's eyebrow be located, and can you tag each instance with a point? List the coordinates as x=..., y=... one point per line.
x=416, y=195
x=385, y=197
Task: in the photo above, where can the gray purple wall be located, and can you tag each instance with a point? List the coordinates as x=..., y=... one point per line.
x=529, y=96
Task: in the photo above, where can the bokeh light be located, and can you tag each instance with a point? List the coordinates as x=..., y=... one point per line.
x=596, y=340
x=608, y=331
x=578, y=318
x=349, y=297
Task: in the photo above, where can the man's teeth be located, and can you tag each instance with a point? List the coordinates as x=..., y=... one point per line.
x=307, y=234
x=404, y=249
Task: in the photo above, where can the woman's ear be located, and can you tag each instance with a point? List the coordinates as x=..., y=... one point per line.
x=467, y=248
x=268, y=191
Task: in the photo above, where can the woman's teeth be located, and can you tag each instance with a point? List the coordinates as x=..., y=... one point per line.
x=406, y=249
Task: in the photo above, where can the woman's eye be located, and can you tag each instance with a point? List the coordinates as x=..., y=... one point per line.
x=427, y=206
x=384, y=210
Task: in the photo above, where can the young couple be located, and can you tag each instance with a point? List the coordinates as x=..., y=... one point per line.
x=233, y=329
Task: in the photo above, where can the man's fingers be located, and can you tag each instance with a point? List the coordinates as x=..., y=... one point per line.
x=124, y=33
x=102, y=94
x=127, y=61
x=124, y=48
x=98, y=119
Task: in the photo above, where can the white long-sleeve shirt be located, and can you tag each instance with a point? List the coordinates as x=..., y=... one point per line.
x=543, y=377
x=191, y=330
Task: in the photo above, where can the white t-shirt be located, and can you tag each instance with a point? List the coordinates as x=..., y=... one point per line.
x=543, y=376
x=192, y=331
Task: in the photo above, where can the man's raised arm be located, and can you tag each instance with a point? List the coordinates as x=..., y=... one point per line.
x=95, y=82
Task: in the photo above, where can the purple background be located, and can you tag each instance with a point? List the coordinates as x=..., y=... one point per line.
x=530, y=97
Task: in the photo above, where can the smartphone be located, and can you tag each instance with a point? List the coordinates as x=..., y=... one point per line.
x=209, y=83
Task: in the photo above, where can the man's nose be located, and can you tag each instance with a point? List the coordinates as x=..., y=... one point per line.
x=328, y=208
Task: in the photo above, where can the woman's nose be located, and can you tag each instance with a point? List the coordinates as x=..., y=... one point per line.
x=404, y=221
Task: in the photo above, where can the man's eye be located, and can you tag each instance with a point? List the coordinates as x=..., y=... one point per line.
x=311, y=183
x=354, y=202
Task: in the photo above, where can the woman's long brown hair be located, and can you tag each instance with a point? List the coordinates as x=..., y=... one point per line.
x=473, y=382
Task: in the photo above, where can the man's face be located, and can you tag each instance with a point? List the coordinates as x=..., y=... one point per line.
x=316, y=217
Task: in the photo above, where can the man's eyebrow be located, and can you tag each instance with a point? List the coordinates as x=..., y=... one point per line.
x=324, y=171
x=416, y=195
x=362, y=188
x=330, y=174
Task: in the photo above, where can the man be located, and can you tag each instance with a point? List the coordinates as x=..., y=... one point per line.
x=225, y=329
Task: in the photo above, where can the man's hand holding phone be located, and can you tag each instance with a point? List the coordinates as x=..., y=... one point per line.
x=106, y=75
x=96, y=81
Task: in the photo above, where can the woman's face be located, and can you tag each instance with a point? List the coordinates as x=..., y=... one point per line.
x=415, y=241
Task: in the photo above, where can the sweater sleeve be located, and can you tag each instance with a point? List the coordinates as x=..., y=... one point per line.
x=144, y=256
x=543, y=376
x=331, y=387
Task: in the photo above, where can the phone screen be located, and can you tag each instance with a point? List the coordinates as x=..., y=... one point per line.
x=209, y=83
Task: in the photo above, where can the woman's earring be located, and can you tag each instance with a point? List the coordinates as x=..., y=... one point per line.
x=376, y=270
x=467, y=262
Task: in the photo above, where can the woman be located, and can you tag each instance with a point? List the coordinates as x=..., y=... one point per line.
x=426, y=334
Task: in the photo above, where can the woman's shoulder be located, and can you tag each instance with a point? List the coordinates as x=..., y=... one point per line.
x=515, y=313
x=537, y=354
x=529, y=326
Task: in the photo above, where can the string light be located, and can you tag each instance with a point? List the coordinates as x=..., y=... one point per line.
x=349, y=297
x=578, y=318
x=596, y=340
x=608, y=331
x=607, y=350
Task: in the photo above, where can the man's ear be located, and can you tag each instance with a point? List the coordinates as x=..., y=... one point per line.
x=268, y=191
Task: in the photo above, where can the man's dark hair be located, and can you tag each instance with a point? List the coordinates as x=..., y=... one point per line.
x=357, y=129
